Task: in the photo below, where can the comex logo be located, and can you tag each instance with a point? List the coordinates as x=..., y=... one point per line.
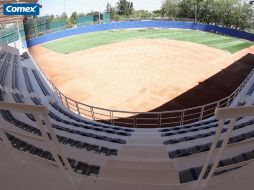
x=21, y=9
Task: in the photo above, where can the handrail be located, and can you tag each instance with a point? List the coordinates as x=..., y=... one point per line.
x=215, y=156
x=204, y=112
x=224, y=113
x=47, y=136
x=174, y=111
x=31, y=109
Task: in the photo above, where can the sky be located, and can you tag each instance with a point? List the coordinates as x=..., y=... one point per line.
x=57, y=7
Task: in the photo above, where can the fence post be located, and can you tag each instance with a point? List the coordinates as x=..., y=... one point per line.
x=77, y=107
x=66, y=101
x=182, y=118
x=217, y=105
x=228, y=101
x=111, y=117
x=159, y=120
x=202, y=113
x=134, y=121
x=92, y=113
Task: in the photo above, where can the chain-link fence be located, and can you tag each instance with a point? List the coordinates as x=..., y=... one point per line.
x=12, y=33
x=45, y=25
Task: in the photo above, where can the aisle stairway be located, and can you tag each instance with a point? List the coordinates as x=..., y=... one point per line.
x=143, y=161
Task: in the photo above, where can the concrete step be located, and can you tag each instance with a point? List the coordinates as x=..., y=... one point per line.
x=157, y=148
x=140, y=176
x=141, y=159
x=142, y=154
x=145, y=141
x=141, y=164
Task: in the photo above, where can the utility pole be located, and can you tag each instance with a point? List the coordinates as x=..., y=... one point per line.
x=196, y=11
x=64, y=5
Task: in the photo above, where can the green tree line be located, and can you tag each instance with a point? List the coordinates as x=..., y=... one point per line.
x=236, y=14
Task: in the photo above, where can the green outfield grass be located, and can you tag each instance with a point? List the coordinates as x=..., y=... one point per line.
x=90, y=40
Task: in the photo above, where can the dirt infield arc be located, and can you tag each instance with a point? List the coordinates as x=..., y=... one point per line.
x=137, y=75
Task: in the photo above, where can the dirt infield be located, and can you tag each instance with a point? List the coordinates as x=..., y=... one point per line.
x=136, y=75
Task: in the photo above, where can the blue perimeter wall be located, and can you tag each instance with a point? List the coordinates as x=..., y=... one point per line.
x=139, y=24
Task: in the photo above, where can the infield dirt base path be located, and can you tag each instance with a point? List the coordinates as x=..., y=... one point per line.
x=137, y=75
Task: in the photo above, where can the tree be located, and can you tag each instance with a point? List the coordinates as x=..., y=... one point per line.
x=92, y=13
x=229, y=13
x=142, y=14
x=108, y=8
x=111, y=10
x=57, y=17
x=157, y=13
x=81, y=14
x=186, y=9
x=73, y=18
x=64, y=15
x=170, y=8
x=242, y=17
x=51, y=18
x=124, y=7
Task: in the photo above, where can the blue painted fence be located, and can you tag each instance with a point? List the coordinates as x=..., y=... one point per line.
x=139, y=24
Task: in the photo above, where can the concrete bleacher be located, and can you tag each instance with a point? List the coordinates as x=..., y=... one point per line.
x=169, y=157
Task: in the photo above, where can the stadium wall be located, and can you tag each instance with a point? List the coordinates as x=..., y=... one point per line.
x=140, y=24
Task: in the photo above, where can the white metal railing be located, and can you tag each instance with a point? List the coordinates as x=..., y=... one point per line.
x=143, y=119
x=222, y=114
x=41, y=114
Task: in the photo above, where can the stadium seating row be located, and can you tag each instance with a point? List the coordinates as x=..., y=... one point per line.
x=42, y=86
x=11, y=119
x=64, y=140
x=28, y=81
x=2, y=54
x=73, y=117
x=78, y=166
x=193, y=173
x=251, y=90
x=14, y=77
x=205, y=147
x=210, y=133
x=184, y=127
x=4, y=68
x=19, y=99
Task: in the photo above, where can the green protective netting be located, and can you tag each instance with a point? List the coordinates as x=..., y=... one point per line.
x=10, y=34
x=106, y=17
x=84, y=21
x=41, y=26
x=57, y=25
